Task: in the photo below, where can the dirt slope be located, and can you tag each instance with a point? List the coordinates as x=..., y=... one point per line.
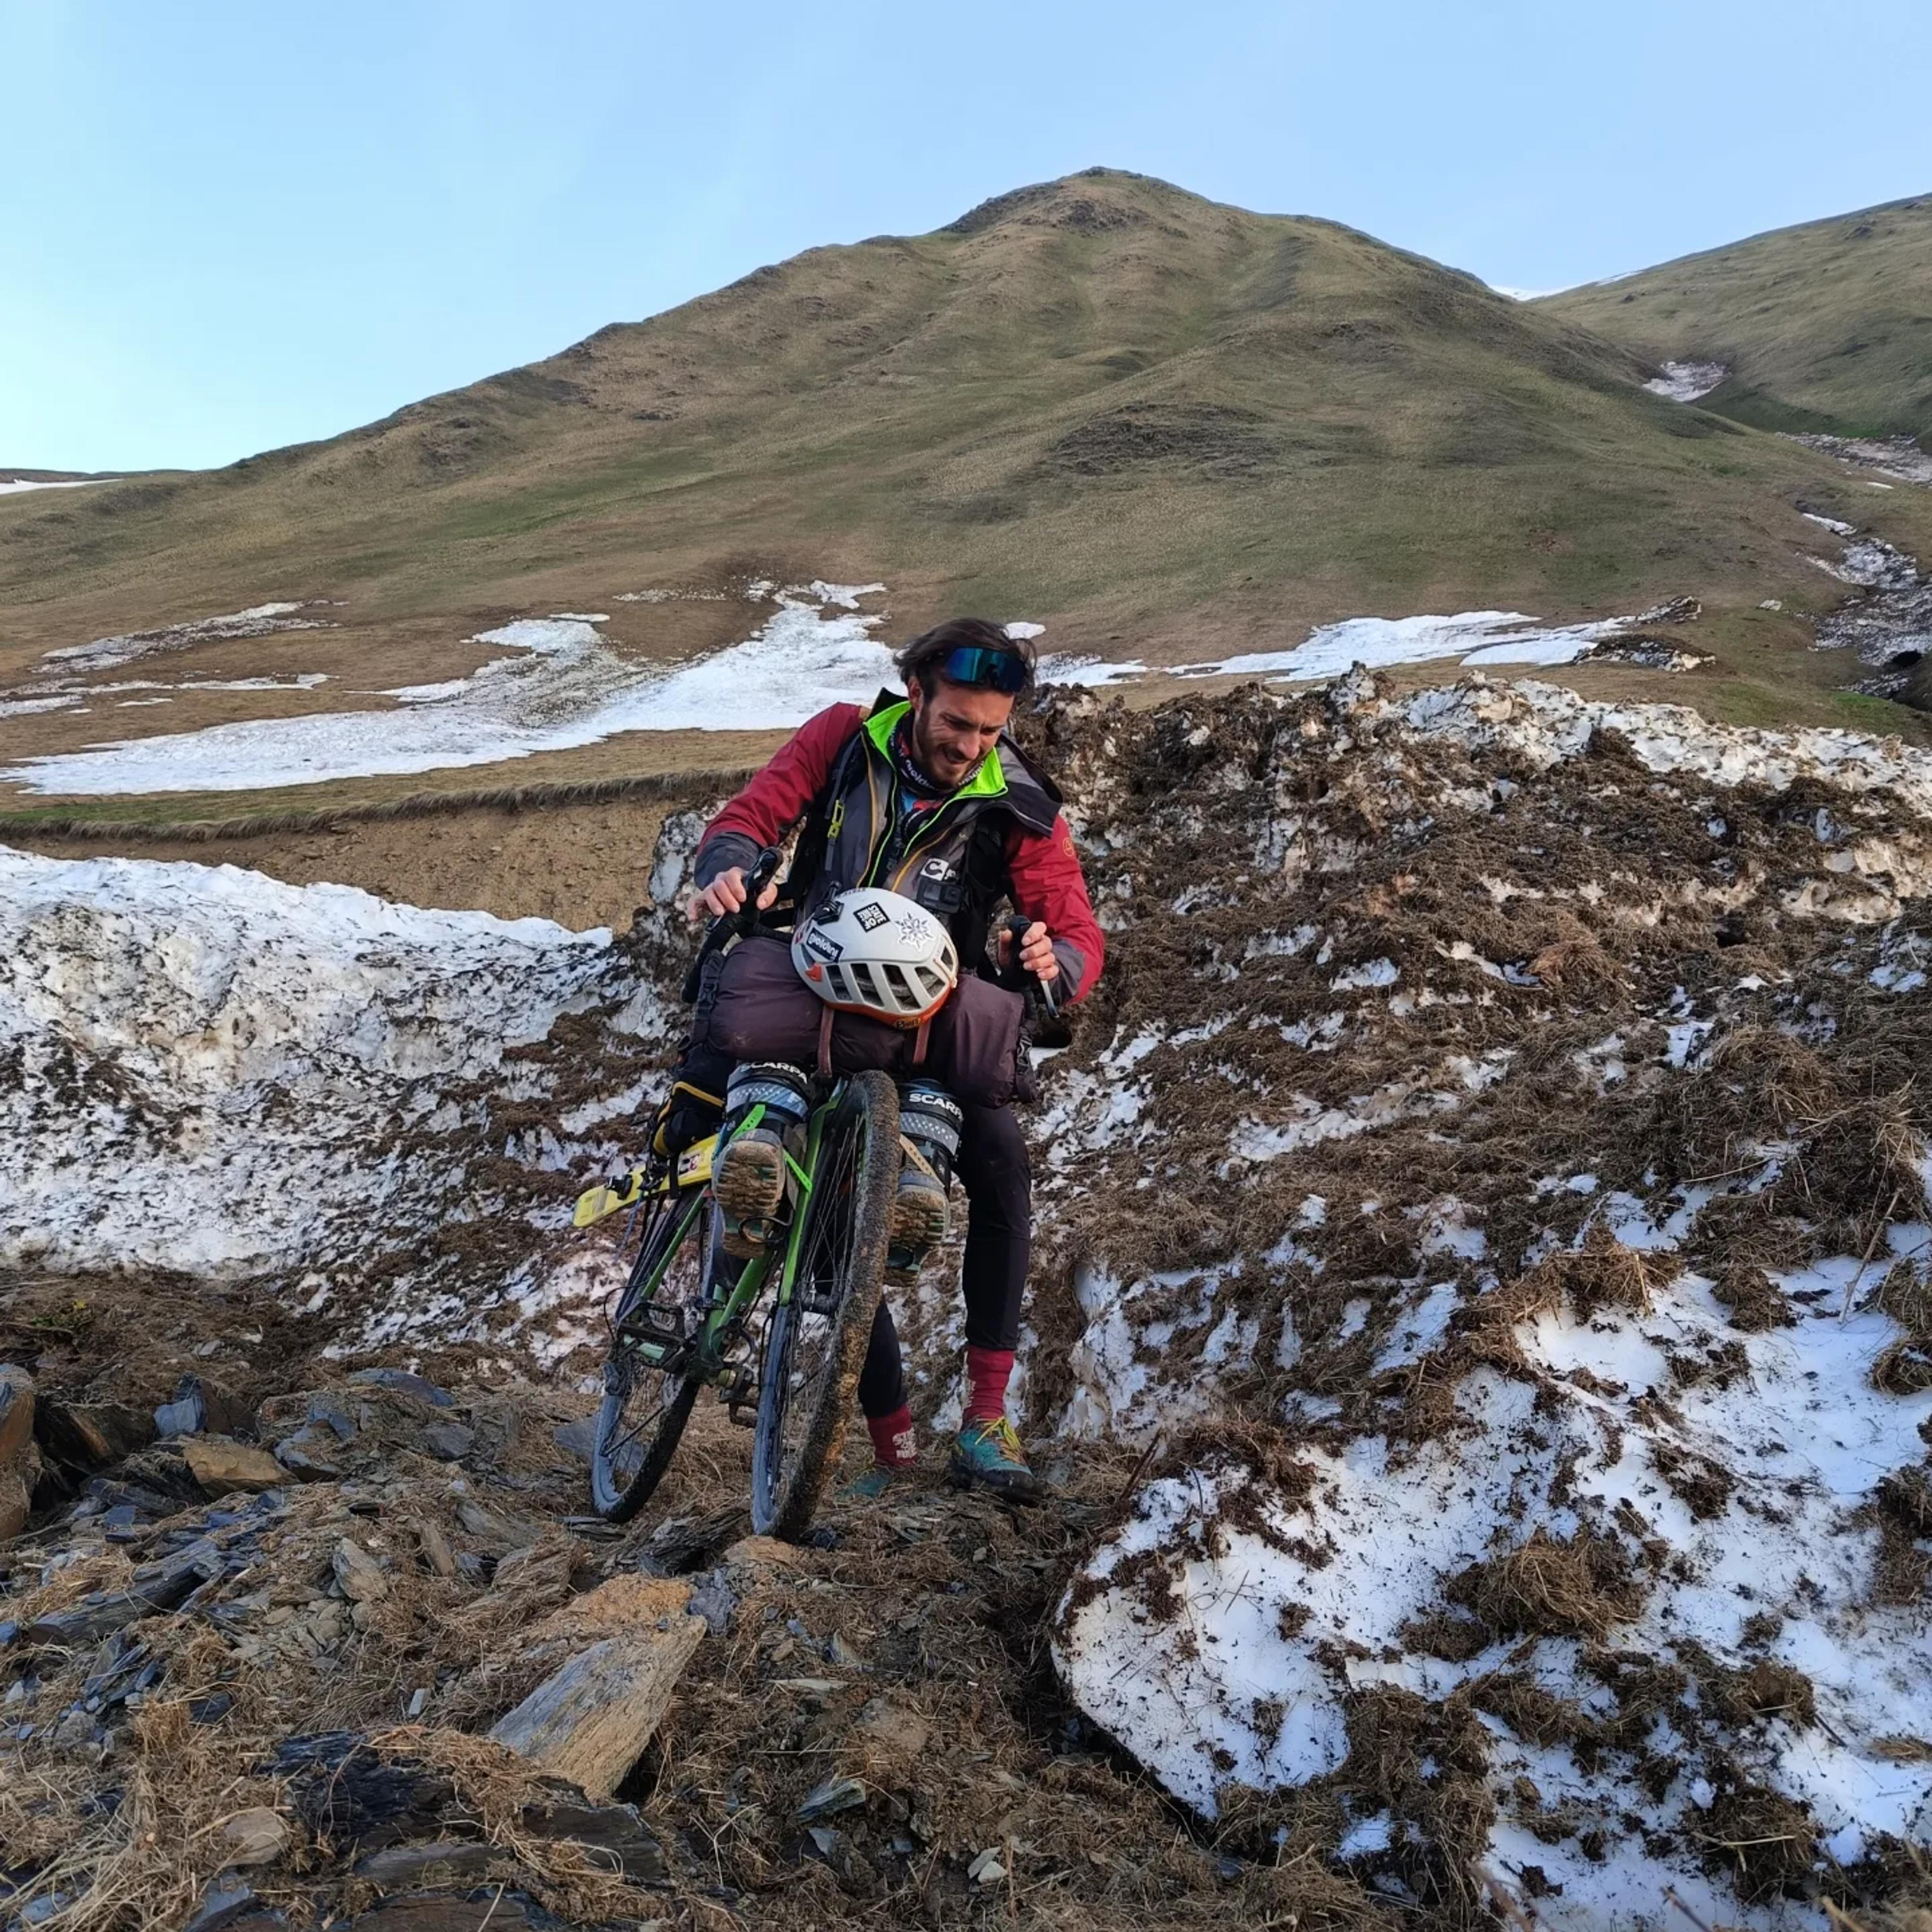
x=1480, y=1335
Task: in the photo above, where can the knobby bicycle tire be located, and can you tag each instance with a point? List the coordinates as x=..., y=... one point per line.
x=850, y=1219
x=616, y=1497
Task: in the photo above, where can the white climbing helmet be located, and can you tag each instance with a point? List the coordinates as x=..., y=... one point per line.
x=877, y=953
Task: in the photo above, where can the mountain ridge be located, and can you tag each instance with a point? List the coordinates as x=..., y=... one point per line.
x=1165, y=426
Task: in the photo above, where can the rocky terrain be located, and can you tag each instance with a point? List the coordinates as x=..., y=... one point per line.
x=1481, y=1342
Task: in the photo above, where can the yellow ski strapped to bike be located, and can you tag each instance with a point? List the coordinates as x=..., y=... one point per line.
x=692, y=1168
x=606, y=1198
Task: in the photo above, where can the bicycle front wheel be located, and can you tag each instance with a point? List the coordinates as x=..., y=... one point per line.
x=648, y=1392
x=815, y=1340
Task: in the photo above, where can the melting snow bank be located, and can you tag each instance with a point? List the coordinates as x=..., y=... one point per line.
x=1478, y=638
x=1889, y=623
x=259, y=620
x=1491, y=1185
x=1609, y=1575
x=213, y=1073
x=1546, y=724
x=14, y=485
x=1686, y=382
x=564, y=688
x=1899, y=456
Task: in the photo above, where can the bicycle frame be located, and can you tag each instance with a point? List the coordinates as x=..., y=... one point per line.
x=695, y=1191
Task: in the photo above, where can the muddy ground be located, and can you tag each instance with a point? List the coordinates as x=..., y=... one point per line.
x=1388, y=973
x=908, y=1651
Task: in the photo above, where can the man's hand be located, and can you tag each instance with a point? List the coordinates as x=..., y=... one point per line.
x=726, y=893
x=1036, y=953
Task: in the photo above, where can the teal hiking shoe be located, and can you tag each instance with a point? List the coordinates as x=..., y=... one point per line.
x=879, y=1481
x=986, y=1454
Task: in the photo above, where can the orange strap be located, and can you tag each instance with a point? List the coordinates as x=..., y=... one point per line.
x=825, y=1019
x=920, y=1041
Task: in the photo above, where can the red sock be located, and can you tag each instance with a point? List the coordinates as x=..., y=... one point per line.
x=892, y=1445
x=987, y=1371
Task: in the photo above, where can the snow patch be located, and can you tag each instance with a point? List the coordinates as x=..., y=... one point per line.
x=258, y=620
x=1686, y=382
x=1058, y=669
x=1478, y=638
x=13, y=486
x=563, y=688
x=215, y=1069
x=1237, y=1666
x=1900, y=456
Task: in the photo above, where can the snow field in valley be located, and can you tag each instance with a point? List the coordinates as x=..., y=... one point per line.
x=1687, y=381
x=562, y=686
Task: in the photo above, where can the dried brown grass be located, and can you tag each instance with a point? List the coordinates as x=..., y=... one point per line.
x=1766, y=1845
x=498, y=1788
x=1604, y=1274
x=1580, y=1585
x=1905, y=1295
x=1756, y=1302
x=139, y=1865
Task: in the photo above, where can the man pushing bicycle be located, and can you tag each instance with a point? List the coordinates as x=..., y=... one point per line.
x=927, y=798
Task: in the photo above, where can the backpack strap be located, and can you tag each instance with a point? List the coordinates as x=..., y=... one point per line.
x=808, y=858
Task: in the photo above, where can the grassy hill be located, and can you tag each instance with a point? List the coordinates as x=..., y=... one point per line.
x=1825, y=327
x=1167, y=428
x=1101, y=401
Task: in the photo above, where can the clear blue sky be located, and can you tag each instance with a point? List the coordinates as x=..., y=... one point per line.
x=228, y=226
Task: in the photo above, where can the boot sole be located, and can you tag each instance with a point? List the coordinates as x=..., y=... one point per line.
x=750, y=1182
x=919, y=1219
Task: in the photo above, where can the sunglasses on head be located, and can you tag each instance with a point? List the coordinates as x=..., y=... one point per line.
x=1003, y=671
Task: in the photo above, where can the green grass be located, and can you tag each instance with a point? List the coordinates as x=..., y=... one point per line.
x=1826, y=327
x=904, y=410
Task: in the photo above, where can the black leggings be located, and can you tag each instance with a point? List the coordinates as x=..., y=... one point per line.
x=993, y=1168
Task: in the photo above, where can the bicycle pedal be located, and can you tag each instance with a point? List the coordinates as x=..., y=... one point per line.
x=645, y=1330
x=737, y=1384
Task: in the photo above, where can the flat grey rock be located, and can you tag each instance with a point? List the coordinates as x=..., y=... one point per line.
x=400, y=1381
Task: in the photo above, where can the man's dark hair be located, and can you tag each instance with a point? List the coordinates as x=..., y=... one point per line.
x=930, y=649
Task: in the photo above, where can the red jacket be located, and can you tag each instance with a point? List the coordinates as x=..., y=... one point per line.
x=1041, y=871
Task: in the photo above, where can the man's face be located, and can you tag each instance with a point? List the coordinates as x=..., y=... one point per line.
x=954, y=728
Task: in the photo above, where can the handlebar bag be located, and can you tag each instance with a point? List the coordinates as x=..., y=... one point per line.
x=764, y=1011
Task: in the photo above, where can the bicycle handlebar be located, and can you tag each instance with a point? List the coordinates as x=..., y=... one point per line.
x=1016, y=929
x=738, y=925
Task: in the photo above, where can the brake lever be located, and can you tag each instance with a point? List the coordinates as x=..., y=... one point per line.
x=744, y=922
x=1041, y=990
x=738, y=925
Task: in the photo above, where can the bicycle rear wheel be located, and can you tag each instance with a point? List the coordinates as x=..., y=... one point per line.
x=815, y=1341
x=647, y=1395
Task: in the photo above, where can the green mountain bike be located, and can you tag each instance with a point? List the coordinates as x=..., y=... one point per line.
x=781, y=1336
